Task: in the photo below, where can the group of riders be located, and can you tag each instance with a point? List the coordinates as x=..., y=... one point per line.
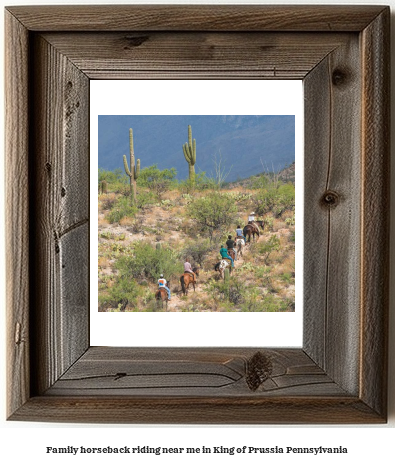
x=224, y=252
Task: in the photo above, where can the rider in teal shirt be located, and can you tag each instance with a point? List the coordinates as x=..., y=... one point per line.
x=224, y=253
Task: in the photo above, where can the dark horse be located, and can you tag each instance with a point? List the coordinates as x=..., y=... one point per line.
x=162, y=295
x=186, y=279
x=232, y=253
x=253, y=229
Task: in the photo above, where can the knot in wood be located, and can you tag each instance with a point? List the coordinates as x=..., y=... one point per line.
x=259, y=369
x=339, y=77
x=330, y=199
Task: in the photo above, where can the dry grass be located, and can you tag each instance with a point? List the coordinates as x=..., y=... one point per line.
x=169, y=225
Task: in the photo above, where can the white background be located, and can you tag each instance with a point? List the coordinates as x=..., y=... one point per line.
x=267, y=97
x=23, y=445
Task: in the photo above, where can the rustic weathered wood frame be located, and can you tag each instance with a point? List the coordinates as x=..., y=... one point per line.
x=339, y=376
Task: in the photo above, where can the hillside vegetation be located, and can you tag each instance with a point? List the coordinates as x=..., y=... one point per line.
x=171, y=220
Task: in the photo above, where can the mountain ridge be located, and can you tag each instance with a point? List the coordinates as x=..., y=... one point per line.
x=244, y=144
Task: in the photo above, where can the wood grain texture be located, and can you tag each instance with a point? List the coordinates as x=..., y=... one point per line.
x=196, y=17
x=195, y=55
x=17, y=213
x=332, y=130
x=339, y=376
x=198, y=410
x=190, y=372
x=60, y=201
x=375, y=212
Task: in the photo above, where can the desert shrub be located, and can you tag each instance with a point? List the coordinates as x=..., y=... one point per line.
x=212, y=213
x=202, y=182
x=276, y=199
x=269, y=222
x=252, y=301
x=287, y=278
x=265, y=249
x=121, y=209
x=123, y=294
x=158, y=181
x=271, y=303
x=197, y=251
x=117, y=180
x=107, y=202
x=147, y=262
x=145, y=198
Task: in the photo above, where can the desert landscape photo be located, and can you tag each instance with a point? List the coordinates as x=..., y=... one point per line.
x=187, y=193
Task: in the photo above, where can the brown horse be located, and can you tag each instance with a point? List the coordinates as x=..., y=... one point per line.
x=232, y=253
x=252, y=228
x=162, y=295
x=187, y=279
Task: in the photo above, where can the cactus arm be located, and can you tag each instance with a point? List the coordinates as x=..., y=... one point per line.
x=187, y=153
x=125, y=164
x=137, y=169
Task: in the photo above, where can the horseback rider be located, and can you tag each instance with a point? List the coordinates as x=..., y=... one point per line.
x=188, y=269
x=231, y=245
x=251, y=217
x=239, y=233
x=163, y=283
x=224, y=253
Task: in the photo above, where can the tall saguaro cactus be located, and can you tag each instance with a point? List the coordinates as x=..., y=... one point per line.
x=134, y=171
x=190, y=155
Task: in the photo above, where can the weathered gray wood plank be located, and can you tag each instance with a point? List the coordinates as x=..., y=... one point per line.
x=295, y=390
x=198, y=410
x=269, y=55
x=375, y=211
x=333, y=192
x=60, y=175
x=17, y=213
x=317, y=112
x=190, y=372
x=344, y=252
x=196, y=17
x=74, y=293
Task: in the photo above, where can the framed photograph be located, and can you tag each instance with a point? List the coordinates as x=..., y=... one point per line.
x=240, y=201
x=54, y=55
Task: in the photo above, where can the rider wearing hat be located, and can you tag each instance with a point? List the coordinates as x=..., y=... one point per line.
x=251, y=217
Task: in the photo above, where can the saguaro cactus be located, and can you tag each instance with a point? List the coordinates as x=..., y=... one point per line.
x=190, y=154
x=103, y=187
x=134, y=171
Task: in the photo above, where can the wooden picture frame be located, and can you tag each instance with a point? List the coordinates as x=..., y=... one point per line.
x=340, y=374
